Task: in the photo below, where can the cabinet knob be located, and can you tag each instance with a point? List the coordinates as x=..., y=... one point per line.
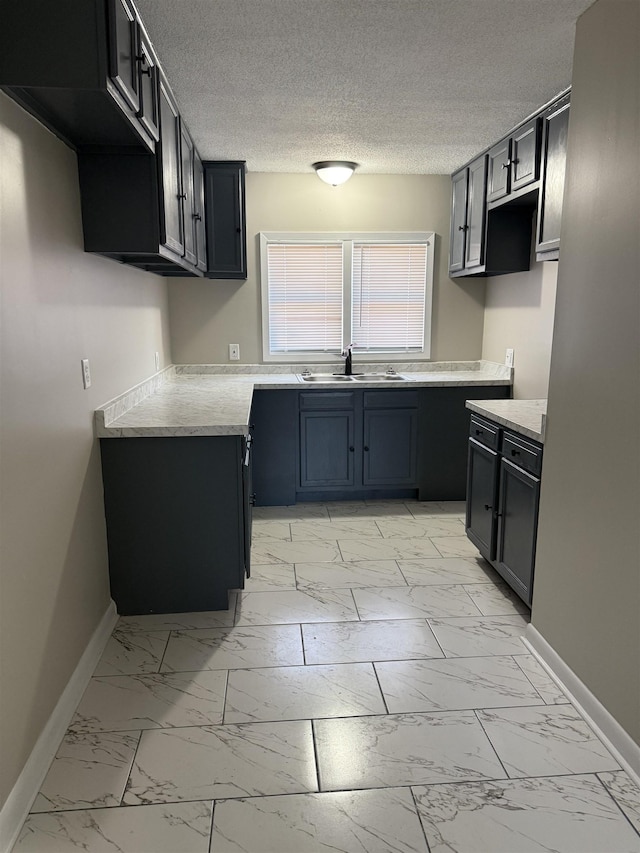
x=487, y=507
x=478, y=432
x=365, y=447
x=146, y=71
x=182, y=195
x=515, y=452
x=462, y=227
x=197, y=216
x=351, y=449
x=506, y=165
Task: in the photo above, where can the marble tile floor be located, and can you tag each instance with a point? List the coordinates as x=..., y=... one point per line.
x=367, y=692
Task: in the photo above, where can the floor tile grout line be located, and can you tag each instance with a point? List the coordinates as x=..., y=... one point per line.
x=131, y=766
x=460, y=782
x=531, y=682
x=610, y=793
x=417, y=808
x=384, y=698
x=315, y=753
x=488, y=737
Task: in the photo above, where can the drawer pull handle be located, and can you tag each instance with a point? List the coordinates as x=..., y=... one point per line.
x=479, y=432
x=487, y=507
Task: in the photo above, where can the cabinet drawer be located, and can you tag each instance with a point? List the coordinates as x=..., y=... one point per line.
x=327, y=400
x=485, y=432
x=390, y=399
x=523, y=453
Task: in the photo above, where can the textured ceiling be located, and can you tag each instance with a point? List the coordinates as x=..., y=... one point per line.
x=398, y=86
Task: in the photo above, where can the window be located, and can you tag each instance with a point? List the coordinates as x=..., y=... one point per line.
x=321, y=292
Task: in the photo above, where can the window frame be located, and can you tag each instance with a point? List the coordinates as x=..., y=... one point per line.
x=347, y=239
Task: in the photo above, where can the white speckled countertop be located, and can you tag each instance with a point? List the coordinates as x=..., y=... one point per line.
x=187, y=400
x=528, y=417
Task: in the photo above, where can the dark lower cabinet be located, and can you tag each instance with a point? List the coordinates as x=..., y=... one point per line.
x=365, y=443
x=390, y=447
x=178, y=521
x=517, y=527
x=482, y=495
x=503, y=493
x=327, y=449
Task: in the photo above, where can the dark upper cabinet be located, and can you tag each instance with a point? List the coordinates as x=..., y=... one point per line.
x=555, y=127
x=499, y=177
x=225, y=219
x=123, y=51
x=73, y=64
x=514, y=162
x=486, y=242
x=198, y=212
x=468, y=217
x=459, y=188
x=186, y=195
x=169, y=172
x=148, y=76
x=139, y=208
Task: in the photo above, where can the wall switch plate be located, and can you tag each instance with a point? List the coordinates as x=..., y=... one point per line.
x=86, y=373
x=509, y=358
x=234, y=352
x=157, y=361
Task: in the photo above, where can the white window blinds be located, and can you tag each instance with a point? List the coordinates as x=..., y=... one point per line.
x=388, y=297
x=305, y=297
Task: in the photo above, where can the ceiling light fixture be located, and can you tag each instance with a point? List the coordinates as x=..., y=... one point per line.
x=334, y=172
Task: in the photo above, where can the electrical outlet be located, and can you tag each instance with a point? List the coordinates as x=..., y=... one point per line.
x=157, y=361
x=86, y=373
x=234, y=352
x=509, y=358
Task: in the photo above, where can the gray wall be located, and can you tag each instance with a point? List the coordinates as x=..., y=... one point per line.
x=518, y=313
x=208, y=315
x=587, y=591
x=58, y=305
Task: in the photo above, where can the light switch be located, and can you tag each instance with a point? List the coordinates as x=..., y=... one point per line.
x=86, y=373
x=509, y=358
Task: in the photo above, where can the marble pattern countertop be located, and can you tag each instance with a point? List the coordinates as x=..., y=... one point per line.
x=198, y=400
x=528, y=417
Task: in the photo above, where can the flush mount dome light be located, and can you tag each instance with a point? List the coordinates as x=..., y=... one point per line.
x=334, y=172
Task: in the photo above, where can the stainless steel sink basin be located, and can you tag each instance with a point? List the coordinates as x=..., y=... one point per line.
x=364, y=377
x=381, y=377
x=324, y=377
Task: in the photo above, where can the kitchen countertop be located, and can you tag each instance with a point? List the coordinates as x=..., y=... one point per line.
x=528, y=417
x=200, y=400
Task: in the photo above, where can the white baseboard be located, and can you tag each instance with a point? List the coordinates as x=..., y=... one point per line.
x=624, y=748
x=19, y=801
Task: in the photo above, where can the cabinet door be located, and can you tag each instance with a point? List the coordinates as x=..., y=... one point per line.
x=458, y=220
x=518, y=523
x=248, y=499
x=148, y=87
x=499, y=176
x=476, y=213
x=186, y=196
x=326, y=449
x=482, y=495
x=554, y=157
x=390, y=447
x=525, y=155
x=198, y=212
x=225, y=221
x=171, y=219
x=123, y=50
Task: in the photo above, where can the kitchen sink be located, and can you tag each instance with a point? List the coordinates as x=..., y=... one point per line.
x=362, y=377
x=324, y=377
x=380, y=377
